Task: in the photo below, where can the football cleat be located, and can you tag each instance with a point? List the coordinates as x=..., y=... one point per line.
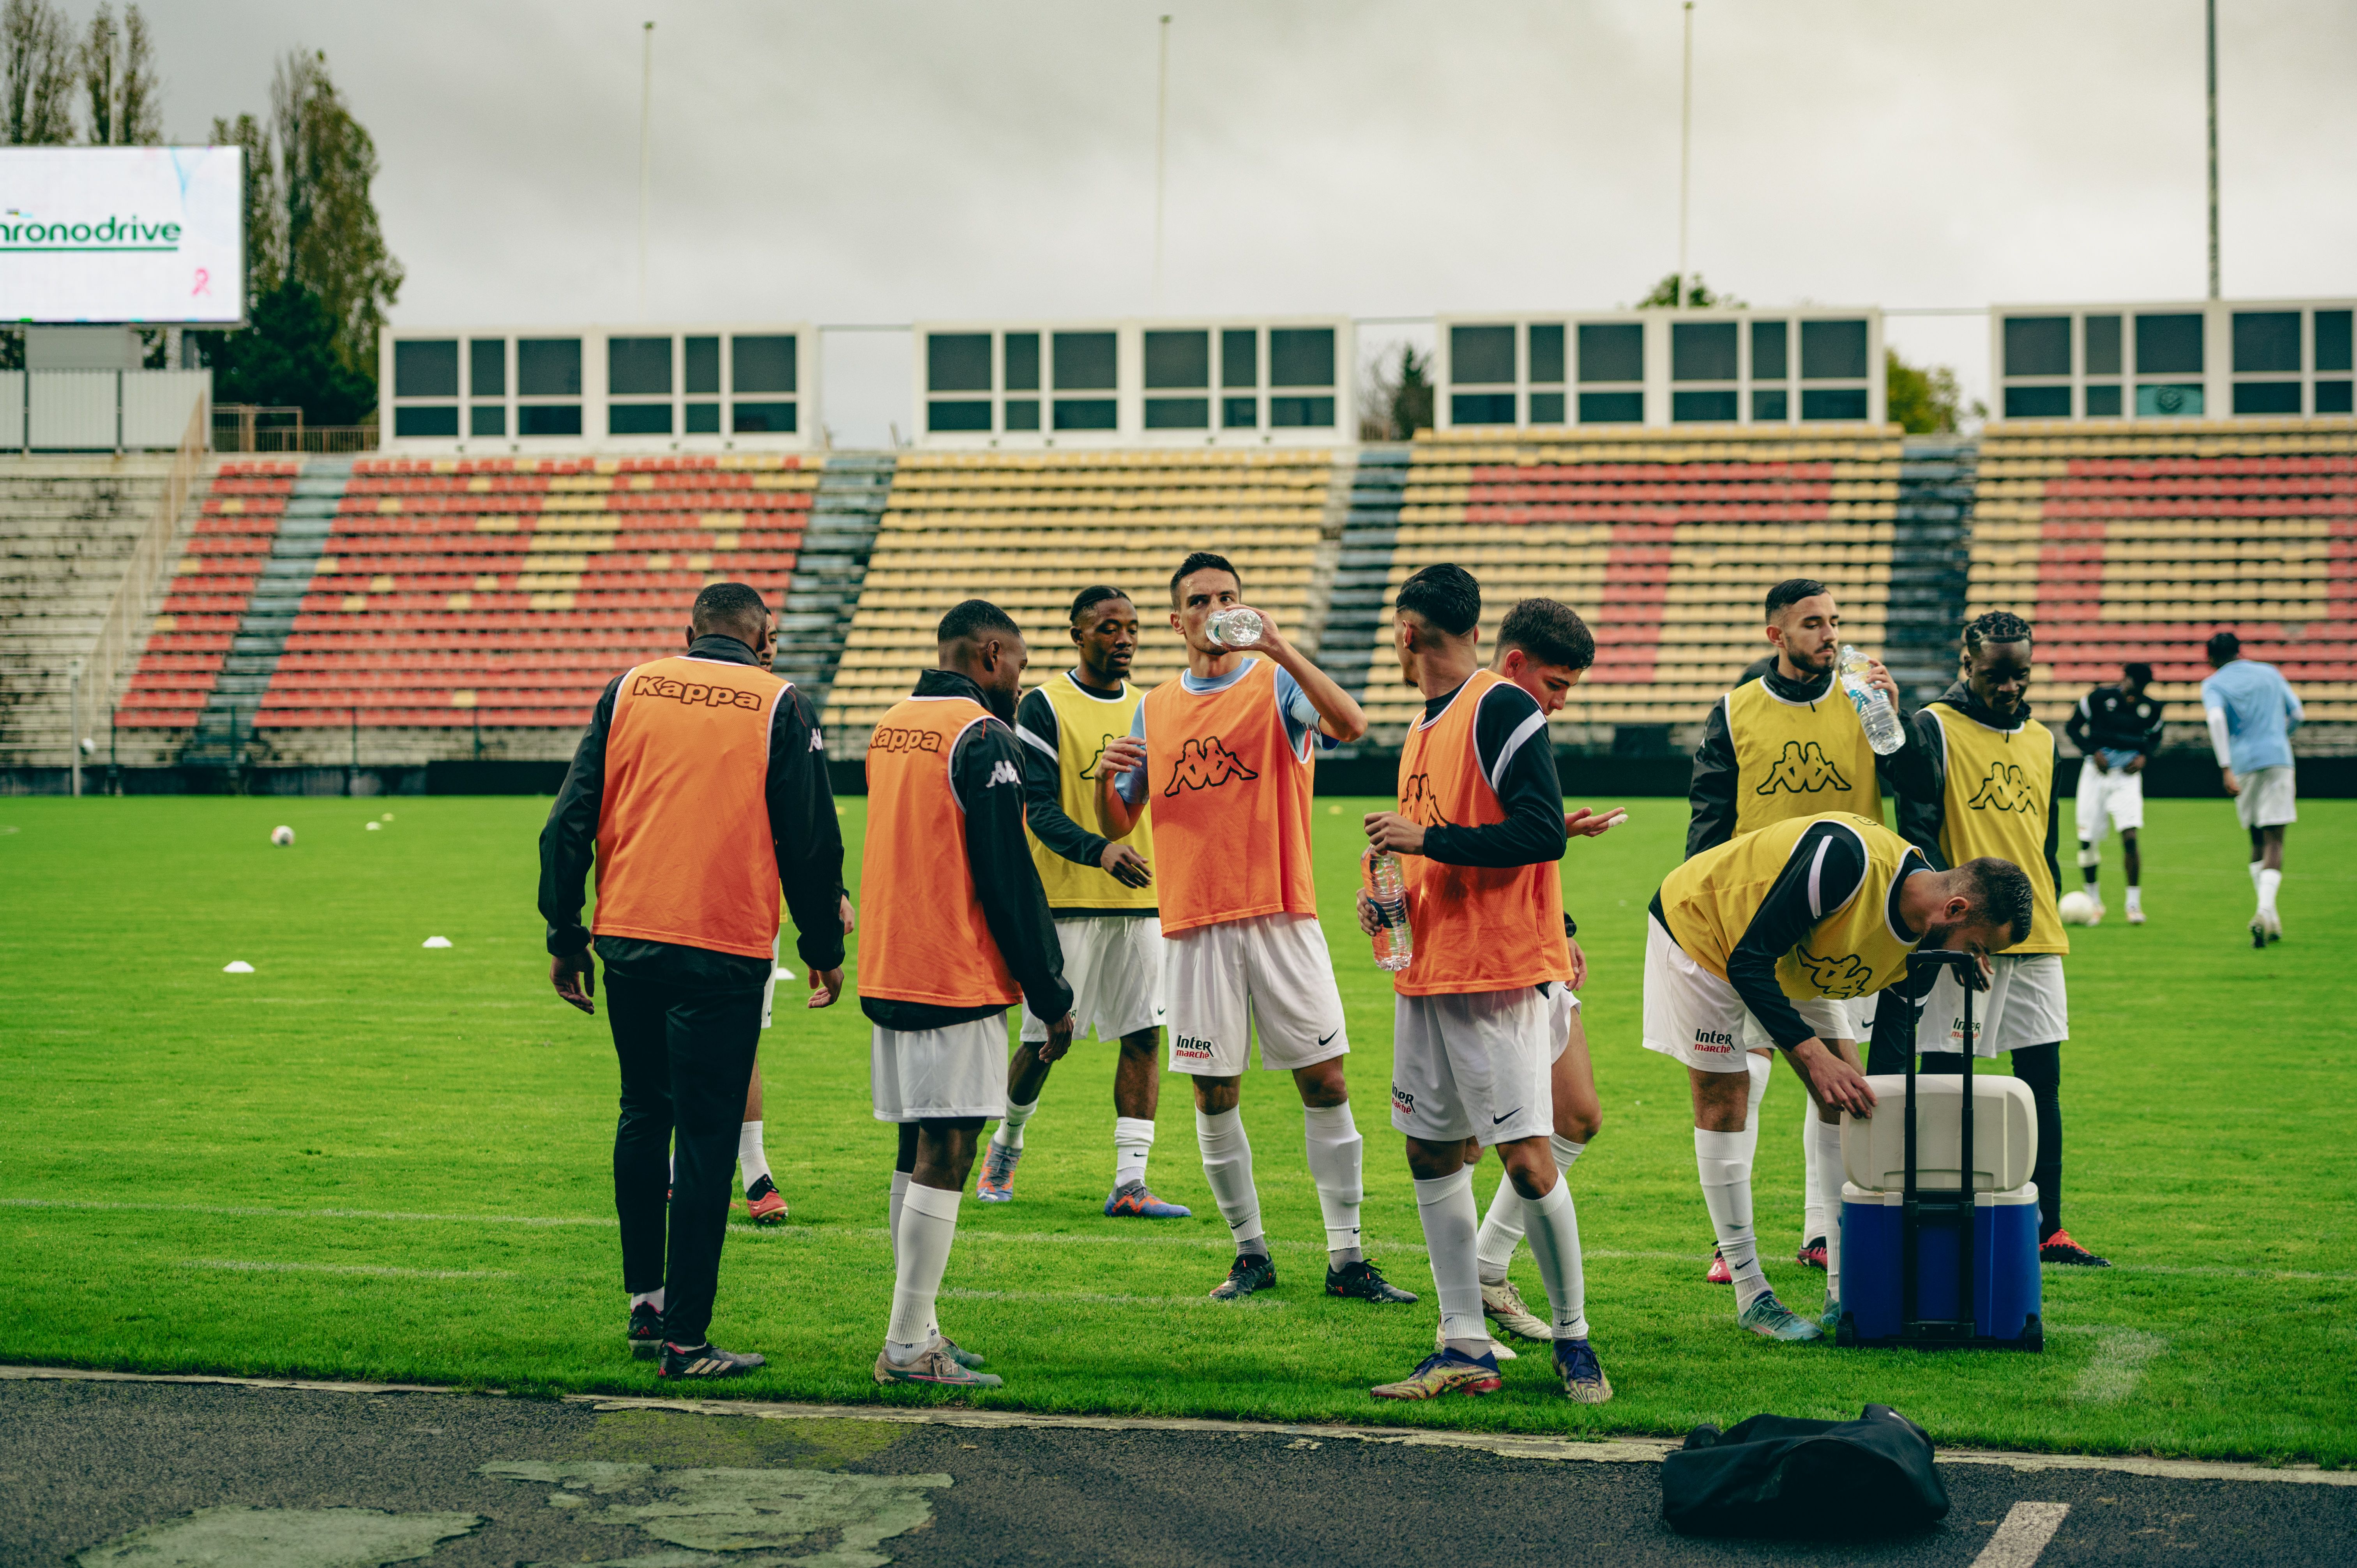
x=996, y=1184
x=2136, y=915
x=1830, y=1319
x=1249, y=1273
x=1449, y=1372
x=2272, y=923
x=2097, y=918
x=705, y=1360
x=1768, y=1319
x=1719, y=1274
x=966, y=1358
x=645, y=1334
x=2060, y=1248
x=1497, y=1347
x=2258, y=933
x=1362, y=1281
x=1503, y=1304
x=764, y=1204
x=934, y=1367
x=1583, y=1375
x=1811, y=1254
x=1133, y=1202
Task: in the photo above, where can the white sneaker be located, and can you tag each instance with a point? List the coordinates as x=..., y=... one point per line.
x=2135, y=914
x=1497, y=1347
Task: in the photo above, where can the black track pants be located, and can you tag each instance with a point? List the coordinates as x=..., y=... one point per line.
x=686, y=1060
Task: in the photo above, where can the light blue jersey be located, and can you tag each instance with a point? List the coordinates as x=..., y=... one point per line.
x=2261, y=711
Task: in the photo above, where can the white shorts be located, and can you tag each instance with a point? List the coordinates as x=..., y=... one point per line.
x=1562, y=1008
x=2268, y=799
x=1696, y=1017
x=1456, y=1059
x=1114, y=964
x=1850, y=1020
x=927, y=1074
x=2107, y=801
x=1270, y=975
x=2024, y=1006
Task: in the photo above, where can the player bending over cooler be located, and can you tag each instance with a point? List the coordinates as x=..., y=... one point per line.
x=1479, y=829
x=1784, y=926
x=1103, y=895
x=1223, y=752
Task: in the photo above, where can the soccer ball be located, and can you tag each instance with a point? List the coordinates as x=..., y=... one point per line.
x=2078, y=910
x=281, y=837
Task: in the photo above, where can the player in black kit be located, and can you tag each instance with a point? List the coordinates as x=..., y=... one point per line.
x=2117, y=730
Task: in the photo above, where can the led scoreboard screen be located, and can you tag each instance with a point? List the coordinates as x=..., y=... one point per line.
x=106, y=234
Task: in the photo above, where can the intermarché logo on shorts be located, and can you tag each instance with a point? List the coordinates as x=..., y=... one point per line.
x=1713, y=1040
x=1192, y=1049
x=693, y=693
x=888, y=739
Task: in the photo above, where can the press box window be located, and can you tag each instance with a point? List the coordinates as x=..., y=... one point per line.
x=1771, y=356
x=638, y=367
x=1771, y=406
x=1703, y=407
x=778, y=418
x=1084, y=362
x=1611, y=407
x=487, y=418
x=1835, y=351
x=2037, y=345
x=2332, y=336
x=701, y=368
x=2103, y=401
x=764, y=364
x=1240, y=359
x=1546, y=360
x=1547, y=408
x=2100, y=337
x=1482, y=408
x=1304, y=412
x=486, y=368
x=1481, y=356
x=2266, y=397
x=1177, y=359
x=1177, y=413
x=1084, y=413
x=425, y=368
x=637, y=419
x=958, y=415
x=1023, y=368
x=549, y=366
x=701, y=419
x=1612, y=352
x=549, y=418
x=2036, y=403
x=2266, y=341
x=1022, y=413
x=1841, y=402
x=1703, y=351
x=2167, y=346
x=1238, y=413
x=1301, y=357
x=433, y=420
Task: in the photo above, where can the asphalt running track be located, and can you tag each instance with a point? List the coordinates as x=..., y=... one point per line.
x=97, y=1470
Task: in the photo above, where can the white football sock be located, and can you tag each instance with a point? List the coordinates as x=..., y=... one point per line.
x=1760, y=1067
x=1133, y=1140
x=2256, y=866
x=1567, y=1153
x=2136, y=899
x=752, y=1164
x=1724, y=1167
x=1010, y=1126
x=1445, y=1206
x=1502, y=1232
x=1825, y=1136
x=653, y=1298
x=1227, y=1168
x=928, y=1226
x=1336, y=1154
x=2269, y=883
x=899, y=1196
x=1812, y=1216
x=1554, y=1247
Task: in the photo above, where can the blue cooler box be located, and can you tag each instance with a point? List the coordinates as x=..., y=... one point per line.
x=2006, y=1309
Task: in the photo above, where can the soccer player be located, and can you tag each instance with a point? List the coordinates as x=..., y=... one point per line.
x=1102, y=894
x=958, y=929
x=2117, y=731
x=1479, y=829
x=2252, y=712
x=1977, y=776
x=1784, y=926
x=1545, y=648
x=1787, y=745
x=1224, y=753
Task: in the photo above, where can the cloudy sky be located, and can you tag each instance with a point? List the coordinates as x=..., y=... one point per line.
x=884, y=161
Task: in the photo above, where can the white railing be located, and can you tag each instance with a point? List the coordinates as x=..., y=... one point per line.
x=137, y=597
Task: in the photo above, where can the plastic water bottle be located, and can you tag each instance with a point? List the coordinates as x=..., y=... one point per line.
x=1235, y=626
x=1879, y=719
x=1387, y=890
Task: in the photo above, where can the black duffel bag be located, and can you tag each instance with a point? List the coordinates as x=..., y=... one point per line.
x=1776, y=1475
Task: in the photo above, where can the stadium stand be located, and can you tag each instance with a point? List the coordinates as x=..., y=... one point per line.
x=1029, y=530
x=212, y=582
x=2136, y=540
x=68, y=528
x=499, y=596
x=1666, y=542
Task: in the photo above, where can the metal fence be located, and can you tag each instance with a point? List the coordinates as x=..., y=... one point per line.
x=260, y=428
x=92, y=683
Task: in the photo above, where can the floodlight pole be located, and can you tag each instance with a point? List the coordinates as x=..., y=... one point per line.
x=646, y=154
x=1686, y=141
x=2212, y=10
x=1161, y=124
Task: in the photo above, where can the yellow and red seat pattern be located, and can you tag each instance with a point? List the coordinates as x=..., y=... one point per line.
x=2137, y=541
x=508, y=592
x=211, y=582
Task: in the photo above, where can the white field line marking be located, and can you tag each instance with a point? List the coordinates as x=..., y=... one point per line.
x=380, y=1271
x=2118, y=1363
x=2021, y=1539
x=1504, y=1443
x=1063, y=1296
x=878, y=1232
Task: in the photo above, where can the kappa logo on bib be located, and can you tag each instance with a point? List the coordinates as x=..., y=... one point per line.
x=904, y=740
x=1205, y=764
x=1091, y=770
x=1803, y=769
x=695, y=693
x=1416, y=797
x=1841, y=978
x=2004, y=790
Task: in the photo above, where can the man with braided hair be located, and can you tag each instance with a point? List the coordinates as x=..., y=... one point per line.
x=1977, y=776
x=1103, y=895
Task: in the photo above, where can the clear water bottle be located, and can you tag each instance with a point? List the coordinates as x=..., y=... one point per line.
x=1235, y=626
x=1387, y=890
x=1875, y=713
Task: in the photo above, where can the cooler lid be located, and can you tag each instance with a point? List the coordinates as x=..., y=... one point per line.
x=2005, y=1135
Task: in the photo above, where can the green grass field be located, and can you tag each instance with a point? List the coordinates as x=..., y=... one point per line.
x=371, y=1159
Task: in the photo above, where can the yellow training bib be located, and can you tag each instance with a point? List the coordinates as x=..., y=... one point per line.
x=2000, y=788
x=1084, y=725
x=1710, y=901
x=1798, y=759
